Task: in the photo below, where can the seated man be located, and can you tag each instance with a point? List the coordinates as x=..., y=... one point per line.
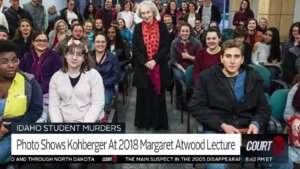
x=21, y=99
x=77, y=34
x=229, y=97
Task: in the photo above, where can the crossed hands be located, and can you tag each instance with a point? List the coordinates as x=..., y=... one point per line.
x=228, y=129
x=150, y=64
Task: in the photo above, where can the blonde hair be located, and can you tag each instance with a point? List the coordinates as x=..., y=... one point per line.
x=58, y=22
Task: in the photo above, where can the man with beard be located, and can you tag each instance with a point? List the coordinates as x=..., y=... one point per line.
x=171, y=28
x=77, y=34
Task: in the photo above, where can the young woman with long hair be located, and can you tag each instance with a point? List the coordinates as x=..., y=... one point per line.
x=23, y=37
x=241, y=17
x=268, y=52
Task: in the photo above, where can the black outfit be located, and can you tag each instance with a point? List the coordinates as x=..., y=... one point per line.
x=13, y=17
x=74, y=80
x=247, y=53
x=63, y=15
x=213, y=101
x=215, y=13
x=186, y=17
x=291, y=64
x=23, y=46
x=151, y=111
x=122, y=52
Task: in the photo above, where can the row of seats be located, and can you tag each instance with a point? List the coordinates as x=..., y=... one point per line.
x=271, y=87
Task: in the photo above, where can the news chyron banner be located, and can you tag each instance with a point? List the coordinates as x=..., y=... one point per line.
x=98, y=143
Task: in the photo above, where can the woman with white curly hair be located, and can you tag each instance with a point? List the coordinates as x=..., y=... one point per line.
x=150, y=48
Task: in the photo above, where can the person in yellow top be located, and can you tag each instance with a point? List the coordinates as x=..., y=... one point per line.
x=20, y=97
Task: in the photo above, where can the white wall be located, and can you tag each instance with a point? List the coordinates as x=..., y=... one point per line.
x=297, y=11
x=60, y=4
x=255, y=7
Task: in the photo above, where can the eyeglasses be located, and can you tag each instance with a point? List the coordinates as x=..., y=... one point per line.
x=5, y=62
x=41, y=41
x=72, y=54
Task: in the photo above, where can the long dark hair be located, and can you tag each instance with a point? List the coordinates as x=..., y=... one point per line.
x=119, y=41
x=248, y=6
x=126, y=2
x=35, y=35
x=252, y=19
x=123, y=22
x=275, y=53
x=18, y=34
x=86, y=11
x=168, y=8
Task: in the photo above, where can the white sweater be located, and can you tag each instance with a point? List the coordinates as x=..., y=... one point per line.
x=261, y=54
x=83, y=103
x=3, y=20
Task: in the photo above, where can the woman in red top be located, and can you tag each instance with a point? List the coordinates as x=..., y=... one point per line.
x=182, y=54
x=253, y=34
x=242, y=16
x=58, y=33
x=206, y=57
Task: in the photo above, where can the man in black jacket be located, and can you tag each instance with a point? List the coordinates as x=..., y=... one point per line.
x=13, y=16
x=229, y=96
x=209, y=13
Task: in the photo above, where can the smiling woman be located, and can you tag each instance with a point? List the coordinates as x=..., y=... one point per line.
x=107, y=65
x=41, y=61
x=23, y=36
x=81, y=99
x=150, y=48
x=210, y=55
x=183, y=51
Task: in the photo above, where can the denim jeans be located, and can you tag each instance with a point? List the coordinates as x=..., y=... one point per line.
x=5, y=149
x=108, y=96
x=178, y=74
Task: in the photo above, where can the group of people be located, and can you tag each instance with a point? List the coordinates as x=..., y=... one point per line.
x=68, y=72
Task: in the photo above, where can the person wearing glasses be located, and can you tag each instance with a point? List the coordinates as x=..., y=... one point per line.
x=82, y=97
x=42, y=62
x=107, y=65
x=20, y=97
